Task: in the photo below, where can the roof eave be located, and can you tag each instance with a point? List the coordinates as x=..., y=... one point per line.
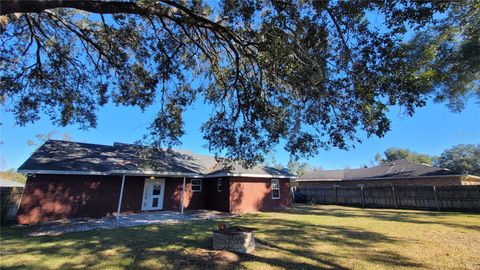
x=388, y=178
x=111, y=172
x=61, y=172
x=151, y=173
x=248, y=175
x=317, y=180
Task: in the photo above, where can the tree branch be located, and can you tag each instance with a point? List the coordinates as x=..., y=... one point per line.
x=339, y=31
x=101, y=7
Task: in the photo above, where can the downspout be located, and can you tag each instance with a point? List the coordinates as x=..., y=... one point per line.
x=183, y=193
x=120, y=197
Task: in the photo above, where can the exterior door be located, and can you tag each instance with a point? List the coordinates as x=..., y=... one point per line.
x=153, y=193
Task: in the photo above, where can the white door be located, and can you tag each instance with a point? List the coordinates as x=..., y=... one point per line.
x=153, y=193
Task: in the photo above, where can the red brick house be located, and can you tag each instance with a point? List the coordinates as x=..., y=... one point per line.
x=72, y=179
x=395, y=173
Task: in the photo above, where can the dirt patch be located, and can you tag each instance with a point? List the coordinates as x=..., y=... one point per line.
x=218, y=259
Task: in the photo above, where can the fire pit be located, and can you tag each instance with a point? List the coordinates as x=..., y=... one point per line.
x=236, y=239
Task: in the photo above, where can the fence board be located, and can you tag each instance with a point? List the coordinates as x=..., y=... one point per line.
x=465, y=198
x=9, y=201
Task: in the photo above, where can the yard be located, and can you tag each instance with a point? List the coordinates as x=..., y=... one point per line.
x=305, y=237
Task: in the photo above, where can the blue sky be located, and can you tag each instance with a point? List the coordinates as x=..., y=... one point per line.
x=431, y=130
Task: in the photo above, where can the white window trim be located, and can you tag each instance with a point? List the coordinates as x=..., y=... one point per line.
x=219, y=180
x=191, y=185
x=278, y=185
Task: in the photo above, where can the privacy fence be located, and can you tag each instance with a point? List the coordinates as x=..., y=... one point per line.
x=9, y=201
x=463, y=198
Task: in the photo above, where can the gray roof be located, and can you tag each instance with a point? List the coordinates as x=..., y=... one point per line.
x=85, y=158
x=237, y=169
x=9, y=183
x=401, y=168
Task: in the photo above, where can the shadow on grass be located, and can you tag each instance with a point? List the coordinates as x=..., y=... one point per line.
x=289, y=243
x=408, y=216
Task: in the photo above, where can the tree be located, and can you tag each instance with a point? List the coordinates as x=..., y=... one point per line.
x=297, y=168
x=42, y=138
x=462, y=158
x=312, y=74
x=392, y=154
x=271, y=161
x=447, y=56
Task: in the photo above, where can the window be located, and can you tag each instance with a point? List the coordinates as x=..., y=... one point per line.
x=196, y=185
x=219, y=184
x=275, y=189
x=157, y=188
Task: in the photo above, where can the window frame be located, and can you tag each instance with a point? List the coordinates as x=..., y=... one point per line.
x=272, y=182
x=219, y=184
x=200, y=184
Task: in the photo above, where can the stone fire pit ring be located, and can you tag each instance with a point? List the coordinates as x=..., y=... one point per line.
x=237, y=239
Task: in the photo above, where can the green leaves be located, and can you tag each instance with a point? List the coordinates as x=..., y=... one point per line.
x=446, y=56
x=392, y=154
x=310, y=74
x=462, y=158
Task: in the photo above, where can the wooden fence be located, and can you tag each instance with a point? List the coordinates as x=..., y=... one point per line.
x=9, y=201
x=464, y=198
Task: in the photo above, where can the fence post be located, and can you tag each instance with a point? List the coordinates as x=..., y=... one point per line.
x=394, y=196
x=363, y=196
x=436, y=199
x=336, y=198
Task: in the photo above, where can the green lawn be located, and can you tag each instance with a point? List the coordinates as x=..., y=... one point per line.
x=305, y=237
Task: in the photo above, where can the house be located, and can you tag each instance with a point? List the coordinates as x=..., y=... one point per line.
x=397, y=173
x=73, y=179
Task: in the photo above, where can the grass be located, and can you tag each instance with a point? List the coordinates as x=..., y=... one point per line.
x=304, y=237
x=13, y=175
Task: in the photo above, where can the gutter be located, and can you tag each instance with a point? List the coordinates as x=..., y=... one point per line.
x=111, y=172
x=247, y=175
x=61, y=172
x=152, y=173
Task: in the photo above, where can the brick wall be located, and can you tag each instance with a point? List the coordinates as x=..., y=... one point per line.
x=173, y=195
x=132, y=194
x=52, y=197
x=217, y=200
x=254, y=194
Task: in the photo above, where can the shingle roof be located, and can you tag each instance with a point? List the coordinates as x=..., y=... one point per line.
x=394, y=169
x=66, y=156
x=237, y=169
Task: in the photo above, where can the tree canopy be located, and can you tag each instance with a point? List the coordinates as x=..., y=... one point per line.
x=462, y=158
x=312, y=74
x=393, y=153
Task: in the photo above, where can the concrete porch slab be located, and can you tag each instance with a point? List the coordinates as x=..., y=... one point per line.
x=125, y=220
